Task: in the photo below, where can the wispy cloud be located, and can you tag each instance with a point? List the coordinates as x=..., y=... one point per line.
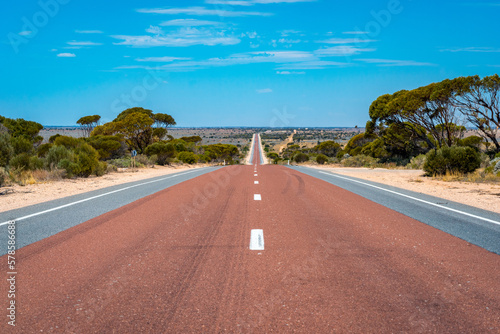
x=181, y=38
x=312, y=65
x=89, y=32
x=66, y=55
x=472, y=49
x=161, y=59
x=342, y=50
x=189, y=23
x=346, y=41
x=391, y=63
x=284, y=60
x=25, y=33
x=201, y=11
x=355, y=32
x=83, y=43
x=252, y=2
x=289, y=72
x=264, y=91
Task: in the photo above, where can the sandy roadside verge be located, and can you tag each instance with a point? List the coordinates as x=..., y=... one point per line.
x=485, y=196
x=21, y=196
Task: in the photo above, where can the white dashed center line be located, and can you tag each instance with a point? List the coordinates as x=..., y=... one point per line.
x=257, y=240
x=257, y=197
x=255, y=182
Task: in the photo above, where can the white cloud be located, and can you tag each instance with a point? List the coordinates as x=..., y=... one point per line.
x=251, y=2
x=472, y=49
x=83, y=43
x=89, y=31
x=200, y=11
x=25, y=33
x=391, y=63
x=264, y=90
x=154, y=30
x=346, y=41
x=342, y=50
x=285, y=61
x=355, y=32
x=66, y=55
x=289, y=73
x=183, y=37
x=161, y=59
x=189, y=23
x=312, y=65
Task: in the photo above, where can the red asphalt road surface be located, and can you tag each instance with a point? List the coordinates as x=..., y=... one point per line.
x=179, y=261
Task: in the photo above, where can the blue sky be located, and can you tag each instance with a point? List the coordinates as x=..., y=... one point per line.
x=274, y=63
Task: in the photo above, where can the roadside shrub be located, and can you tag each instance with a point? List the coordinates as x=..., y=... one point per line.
x=56, y=154
x=4, y=177
x=187, y=157
x=359, y=160
x=125, y=162
x=107, y=146
x=6, y=150
x=21, y=145
x=165, y=152
x=496, y=169
x=300, y=157
x=102, y=168
x=143, y=159
x=417, y=162
x=66, y=141
x=87, y=159
x=71, y=168
x=20, y=162
x=321, y=159
x=36, y=163
x=452, y=159
x=43, y=149
x=54, y=137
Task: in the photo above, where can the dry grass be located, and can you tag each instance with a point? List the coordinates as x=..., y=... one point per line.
x=478, y=176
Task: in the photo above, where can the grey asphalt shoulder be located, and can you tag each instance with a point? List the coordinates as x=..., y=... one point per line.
x=477, y=226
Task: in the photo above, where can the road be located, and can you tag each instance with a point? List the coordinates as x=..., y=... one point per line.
x=180, y=261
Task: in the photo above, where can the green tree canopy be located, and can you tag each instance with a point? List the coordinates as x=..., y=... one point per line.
x=88, y=123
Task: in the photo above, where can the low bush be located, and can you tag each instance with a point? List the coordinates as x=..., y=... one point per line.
x=4, y=177
x=417, y=162
x=187, y=157
x=360, y=160
x=56, y=154
x=300, y=157
x=6, y=150
x=321, y=159
x=72, y=169
x=165, y=152
x=452, y=160
x=20, y=162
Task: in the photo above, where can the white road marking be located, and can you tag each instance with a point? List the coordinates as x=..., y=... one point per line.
x=255, y=182
x=257, y=197
x=257, y=240
x=255, y=175
x=91, y=198
x=416, y=199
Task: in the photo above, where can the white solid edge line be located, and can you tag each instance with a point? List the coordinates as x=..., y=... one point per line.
x=257, y=240
x=91, y=198
x=416, y=199
x=257, y=197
